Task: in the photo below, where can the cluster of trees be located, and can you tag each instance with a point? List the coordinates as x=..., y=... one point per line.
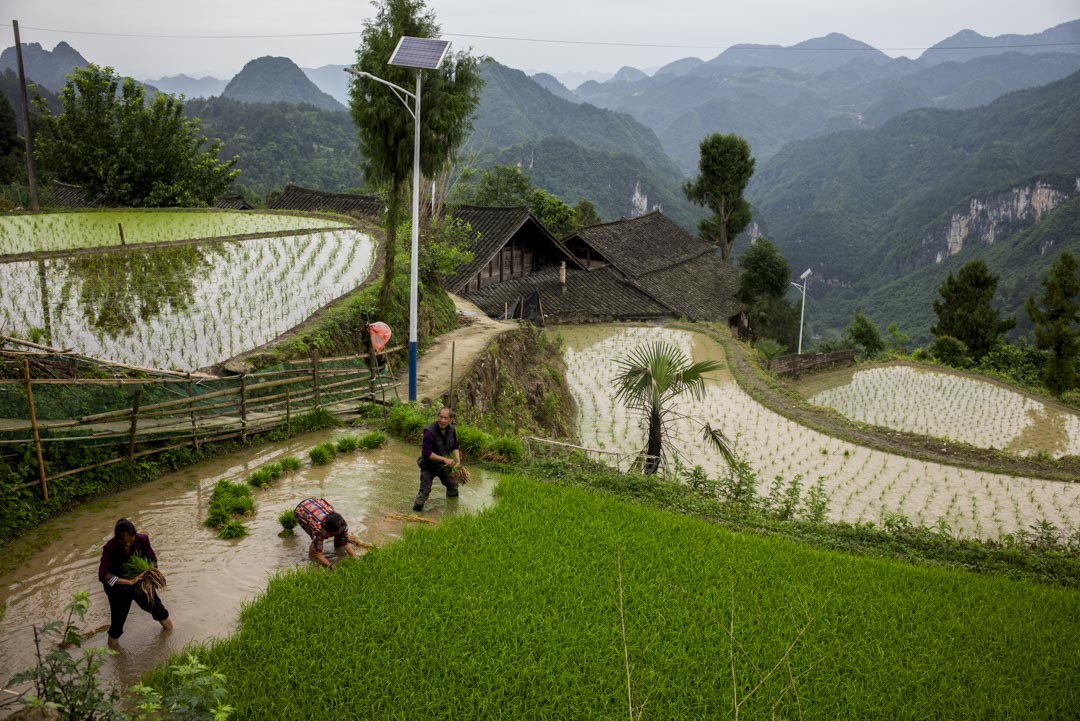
x=970, y=331
x=510, y=186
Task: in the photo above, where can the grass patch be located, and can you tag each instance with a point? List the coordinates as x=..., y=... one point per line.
x=523, y=622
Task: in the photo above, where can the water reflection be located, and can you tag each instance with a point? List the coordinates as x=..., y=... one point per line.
x=119, y=289
x=208, y=578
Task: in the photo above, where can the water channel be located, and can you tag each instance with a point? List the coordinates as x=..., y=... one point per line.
x=208, y=578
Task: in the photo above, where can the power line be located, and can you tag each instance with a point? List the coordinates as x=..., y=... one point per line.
x=554, y=41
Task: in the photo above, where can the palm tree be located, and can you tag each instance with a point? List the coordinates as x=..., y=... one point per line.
x=653, y=376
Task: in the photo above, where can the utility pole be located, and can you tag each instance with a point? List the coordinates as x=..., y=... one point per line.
x=31, y=171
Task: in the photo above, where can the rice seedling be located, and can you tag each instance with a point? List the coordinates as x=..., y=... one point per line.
x=289, y=464
x=261, y=478
x=347, y=444
x=152, y=580
x=373, y=439
x=227, y=500
x=287, y=519
x=232, y=529
x=472, y=441
x=323, y=453
x=504, y=449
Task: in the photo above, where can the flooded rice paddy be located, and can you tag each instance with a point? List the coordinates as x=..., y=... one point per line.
x=947, y=405
x=182, y=307
x=862, y=484
x=208, y=578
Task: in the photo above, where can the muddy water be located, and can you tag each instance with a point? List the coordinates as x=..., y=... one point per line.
x=208, y=578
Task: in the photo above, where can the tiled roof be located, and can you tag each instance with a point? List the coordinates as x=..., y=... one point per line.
x=596, y=295
x=642, y=245
x=493, y=228
x=315, y=201
x=232, y=202
x=67, y=195
x=701, y=288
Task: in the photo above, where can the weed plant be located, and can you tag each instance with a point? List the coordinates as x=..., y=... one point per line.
x=565, y=602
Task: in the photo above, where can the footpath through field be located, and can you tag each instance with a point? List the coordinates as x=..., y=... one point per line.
x=474, y=333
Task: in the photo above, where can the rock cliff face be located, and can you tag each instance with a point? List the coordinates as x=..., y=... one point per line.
x=988, y=218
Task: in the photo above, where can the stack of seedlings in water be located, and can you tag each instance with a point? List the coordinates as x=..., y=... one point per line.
x=228, y=500
x=152, y=579
x=287, y=519
x=372, y=440
x=270, y=472
x=323, y=453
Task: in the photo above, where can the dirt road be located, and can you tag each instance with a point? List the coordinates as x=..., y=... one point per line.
x=467, y=342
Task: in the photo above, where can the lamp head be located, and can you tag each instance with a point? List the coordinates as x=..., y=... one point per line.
x=805, y=275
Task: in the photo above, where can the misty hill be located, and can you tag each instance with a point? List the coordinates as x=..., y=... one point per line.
x=272, y=80
x=772, y=95
x=517, y=113
x=332, y=80
x=882, y=215
x=9, y=86
x=552, y=85
x=968, y=44
x=204, y=87
x=44, y=67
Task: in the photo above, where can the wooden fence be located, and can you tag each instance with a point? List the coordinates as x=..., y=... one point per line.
x=197, y=409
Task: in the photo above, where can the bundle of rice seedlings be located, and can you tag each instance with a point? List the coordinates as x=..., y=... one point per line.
x=152, y=579
x=322, y=454
x=347, y=444
x=287, y=519
x=373, y=439
x=461, y=475
x=260, y=478
x=289, y=464
x=232, y=529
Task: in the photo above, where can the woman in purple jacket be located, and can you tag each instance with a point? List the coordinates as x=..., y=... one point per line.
x=122, y=591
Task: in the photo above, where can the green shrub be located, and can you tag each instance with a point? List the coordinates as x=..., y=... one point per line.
x=232, y=529
x=322, y=454
x=472, y=440
x=347, y=444
x=372, y=439
x=950, y=351
x=506, y=448
x=289, y=464
x=287, y=519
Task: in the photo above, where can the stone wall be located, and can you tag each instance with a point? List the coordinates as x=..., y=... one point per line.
x=795, y=365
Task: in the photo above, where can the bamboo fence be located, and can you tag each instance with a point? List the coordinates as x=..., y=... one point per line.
x=167, y=410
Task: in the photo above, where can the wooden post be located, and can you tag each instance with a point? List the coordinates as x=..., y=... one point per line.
x=288, y=413
x=194, y=425
x=34, y=426
x=120, y=226
x=134, y=423
x=315, y=375
x=31, y=169
x=243, y=407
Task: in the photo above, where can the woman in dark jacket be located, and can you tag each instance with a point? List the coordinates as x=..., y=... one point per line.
x=122, y=591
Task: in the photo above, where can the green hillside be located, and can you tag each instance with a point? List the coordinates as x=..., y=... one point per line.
x=869, y=210
x=271, y=80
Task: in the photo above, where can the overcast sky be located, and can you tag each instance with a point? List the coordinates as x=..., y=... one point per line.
x=121, y=33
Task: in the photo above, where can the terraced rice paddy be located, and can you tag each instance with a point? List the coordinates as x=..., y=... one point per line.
x=862, y=484
x=42, y=232
x=947, y=405
x=181, y=306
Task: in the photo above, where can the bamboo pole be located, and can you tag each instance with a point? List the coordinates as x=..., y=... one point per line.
x=33, y=424
x=134, y=423
x=243, y=407
x=450, y=399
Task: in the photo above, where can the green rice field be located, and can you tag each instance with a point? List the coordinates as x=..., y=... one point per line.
x=861, y=484
x=40, y=232
x=563, y=603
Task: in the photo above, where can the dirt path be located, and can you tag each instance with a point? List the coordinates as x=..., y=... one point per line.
x=473, y=334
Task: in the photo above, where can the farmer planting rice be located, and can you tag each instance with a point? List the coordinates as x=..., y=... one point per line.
x=129, y=573
x=439, y=457
x=320, y=521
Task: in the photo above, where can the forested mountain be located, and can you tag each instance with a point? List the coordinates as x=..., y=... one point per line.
x=882, y=215
x=332, y=80
x=271, y=80
x=594, y=157
x=9, y=86
x=281, y=143
x=49, y=68
x=968, y=44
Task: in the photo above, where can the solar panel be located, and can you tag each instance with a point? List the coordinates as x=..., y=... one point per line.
x=423, y=53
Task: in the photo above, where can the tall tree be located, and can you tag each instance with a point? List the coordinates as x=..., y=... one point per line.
x=1057, y=323
x=966, y=312
x=126, y=150
x=865, y=335
x=12, y=153
x=585, y=214
x=763, y=285
x=652, y=378
x=509, y=185
x=724, y=168
x=449, y=97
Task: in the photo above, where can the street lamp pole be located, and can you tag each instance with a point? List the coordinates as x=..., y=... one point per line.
x=414, y=267
x=802, y=313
